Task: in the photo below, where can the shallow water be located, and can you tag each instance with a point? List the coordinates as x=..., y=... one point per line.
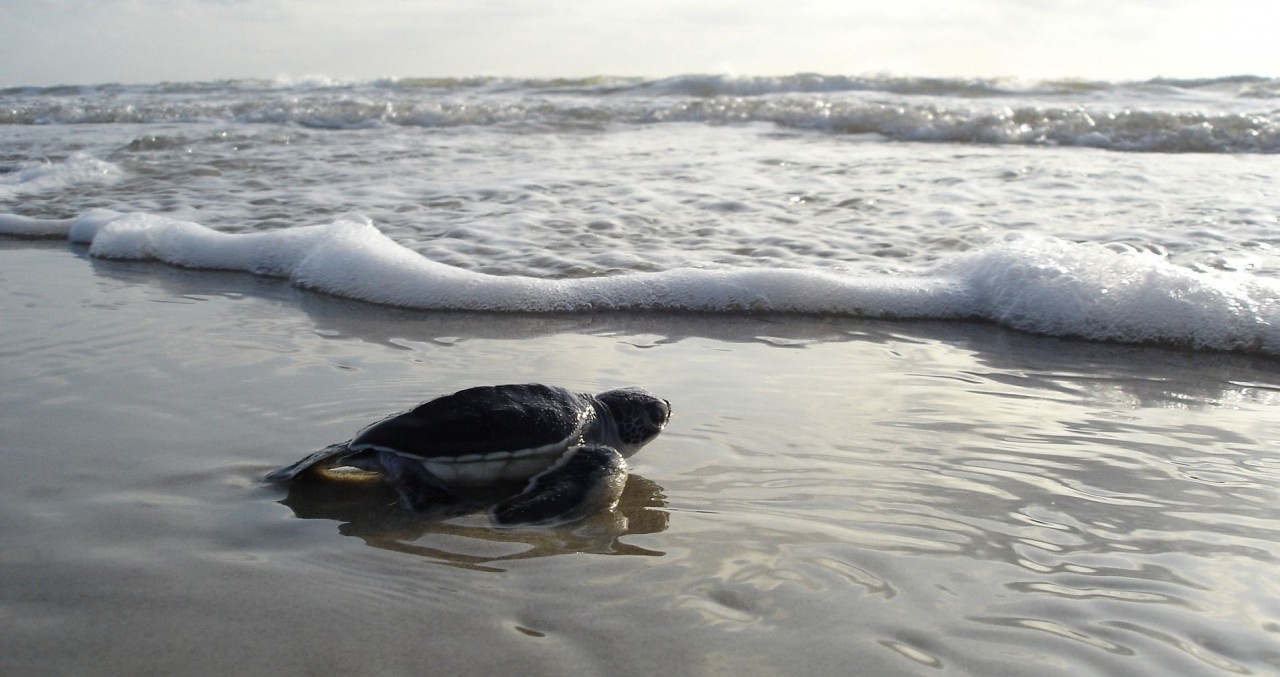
x=1137, y=212
x=579, y=202
x=833, y=496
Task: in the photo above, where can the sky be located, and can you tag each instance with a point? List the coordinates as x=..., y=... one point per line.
x=50, y=42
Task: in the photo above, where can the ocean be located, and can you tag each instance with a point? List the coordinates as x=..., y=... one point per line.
x=1137, y=212
x=975, y=376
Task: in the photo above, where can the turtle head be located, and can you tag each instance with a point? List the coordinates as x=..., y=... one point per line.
x=638, y=416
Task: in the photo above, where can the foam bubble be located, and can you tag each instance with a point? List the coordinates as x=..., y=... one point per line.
x=1032, y=283
x=1050, y=286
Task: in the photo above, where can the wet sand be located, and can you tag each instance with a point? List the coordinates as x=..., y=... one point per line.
x=832, y=496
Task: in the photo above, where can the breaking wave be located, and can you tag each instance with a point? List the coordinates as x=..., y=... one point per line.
x=1223, y=115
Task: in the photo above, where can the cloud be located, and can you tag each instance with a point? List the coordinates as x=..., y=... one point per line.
x=87, y=41
x=74, y=41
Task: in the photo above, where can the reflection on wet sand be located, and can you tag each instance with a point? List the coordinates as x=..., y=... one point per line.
x=368, y=509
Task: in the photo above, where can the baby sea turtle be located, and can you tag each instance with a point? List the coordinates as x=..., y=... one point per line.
x=569, y=448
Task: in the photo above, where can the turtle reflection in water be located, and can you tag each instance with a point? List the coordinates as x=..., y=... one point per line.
x=366, y=508
x=569, y=449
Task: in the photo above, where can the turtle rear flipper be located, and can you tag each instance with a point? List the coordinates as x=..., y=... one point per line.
x=326, y=457
x=419, y=490
x=587, y=479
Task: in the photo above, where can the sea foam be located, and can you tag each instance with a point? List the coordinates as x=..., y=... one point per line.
x=43, y=175
x=1032, y=283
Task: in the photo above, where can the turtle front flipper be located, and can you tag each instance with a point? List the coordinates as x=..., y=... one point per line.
x=586, y=480
x=319, y=460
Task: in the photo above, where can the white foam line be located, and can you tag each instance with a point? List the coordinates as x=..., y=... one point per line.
x=1037, y=284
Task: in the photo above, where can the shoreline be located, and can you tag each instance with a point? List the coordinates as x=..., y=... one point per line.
x=1201, y=341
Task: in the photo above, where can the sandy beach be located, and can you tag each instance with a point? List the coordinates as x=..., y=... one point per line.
x=833, y=496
